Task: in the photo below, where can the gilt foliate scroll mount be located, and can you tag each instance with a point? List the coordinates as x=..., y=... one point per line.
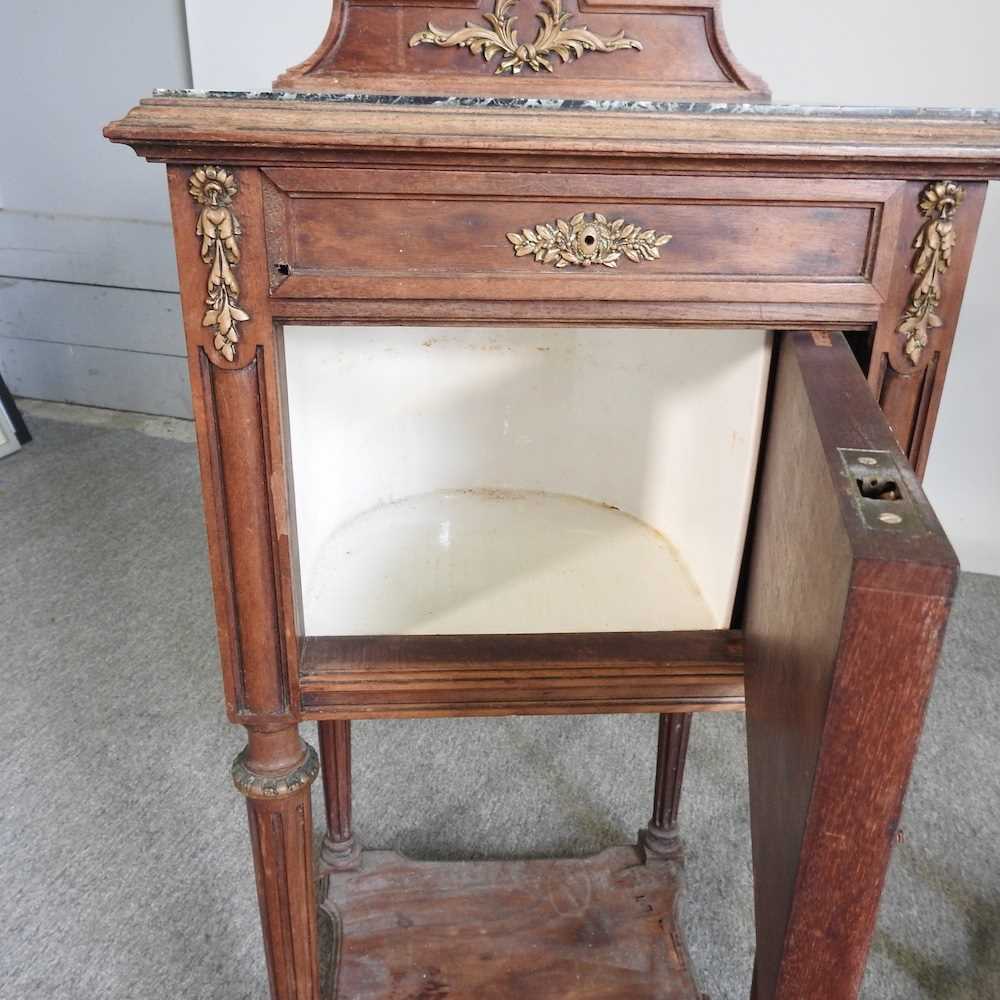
x=554, y=37
x=934, y=244
x=585, y=242
x=214, y=189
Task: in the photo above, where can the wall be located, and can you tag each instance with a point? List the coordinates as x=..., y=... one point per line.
x=903, y=52
x=88, y=305
x=70, y=341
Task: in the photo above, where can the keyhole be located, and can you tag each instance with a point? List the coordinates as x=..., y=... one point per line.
x=589, y=240
x=879, y=489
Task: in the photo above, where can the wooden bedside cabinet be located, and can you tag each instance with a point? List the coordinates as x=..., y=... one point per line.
x=507, y=331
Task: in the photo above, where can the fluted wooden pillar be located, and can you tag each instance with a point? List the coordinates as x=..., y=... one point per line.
x=662, y=840
x=236, y=379
x=339, y=848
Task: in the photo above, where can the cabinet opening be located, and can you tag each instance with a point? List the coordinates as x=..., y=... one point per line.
x=492, y=480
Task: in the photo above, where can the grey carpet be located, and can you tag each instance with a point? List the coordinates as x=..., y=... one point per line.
x=124, y=857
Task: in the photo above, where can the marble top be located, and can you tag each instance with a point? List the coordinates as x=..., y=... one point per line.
x=967, y=115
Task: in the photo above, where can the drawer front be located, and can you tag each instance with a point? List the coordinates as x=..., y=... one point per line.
x=477, y=236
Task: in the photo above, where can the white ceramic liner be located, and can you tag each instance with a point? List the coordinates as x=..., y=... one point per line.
x=521, y=480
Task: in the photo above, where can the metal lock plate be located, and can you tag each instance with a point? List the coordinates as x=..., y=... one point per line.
x=880, y=492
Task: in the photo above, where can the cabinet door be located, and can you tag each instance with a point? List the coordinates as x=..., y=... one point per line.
x=849, y=590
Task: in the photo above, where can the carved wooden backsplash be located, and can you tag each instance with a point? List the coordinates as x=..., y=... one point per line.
x=647, y=49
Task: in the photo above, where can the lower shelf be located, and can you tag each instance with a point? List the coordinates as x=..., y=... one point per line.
x=599, y=928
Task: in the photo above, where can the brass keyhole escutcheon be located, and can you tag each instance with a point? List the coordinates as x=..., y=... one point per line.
x=588, y=241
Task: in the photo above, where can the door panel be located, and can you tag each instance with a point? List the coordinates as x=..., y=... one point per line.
x=850, y=585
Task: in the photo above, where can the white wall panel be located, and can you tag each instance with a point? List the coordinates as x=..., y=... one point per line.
x=138, y=322
x=78, y=210
x=120, y=253
x=262, y=42
x=96, y=376
x=70, y=68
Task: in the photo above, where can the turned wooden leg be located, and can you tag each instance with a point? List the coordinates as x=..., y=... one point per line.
x=662, y=840
x=275, y=772
x=339, y=849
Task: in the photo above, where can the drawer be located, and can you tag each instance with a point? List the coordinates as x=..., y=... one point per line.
x=479, y=236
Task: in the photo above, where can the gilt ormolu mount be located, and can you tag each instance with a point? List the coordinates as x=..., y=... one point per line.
x=404, y=181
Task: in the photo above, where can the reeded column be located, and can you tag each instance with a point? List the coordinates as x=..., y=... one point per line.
x=662, y=840
x=339, y=848
x=275, y=772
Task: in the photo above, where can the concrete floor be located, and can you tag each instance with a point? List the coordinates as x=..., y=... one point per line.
x=124, y=857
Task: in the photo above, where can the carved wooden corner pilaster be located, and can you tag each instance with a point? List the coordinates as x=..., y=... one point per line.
x=919, y=318
x=236, y=383
x=243, y=516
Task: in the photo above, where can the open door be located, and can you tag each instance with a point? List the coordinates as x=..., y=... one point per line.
x=850, y=586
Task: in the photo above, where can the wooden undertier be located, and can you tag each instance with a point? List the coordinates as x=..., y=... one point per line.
x=600, y=928
x=384, y=677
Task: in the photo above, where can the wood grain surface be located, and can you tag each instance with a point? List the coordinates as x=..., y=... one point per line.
x=386, y=677
x=845, y=618
x=193, y=129
x=601, y=928
x=684, y=52
x=910, y=394
x=281, y=835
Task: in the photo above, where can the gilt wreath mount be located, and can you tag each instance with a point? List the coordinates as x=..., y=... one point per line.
x=584, y=242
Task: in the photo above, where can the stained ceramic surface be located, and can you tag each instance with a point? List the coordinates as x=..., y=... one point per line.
x=512, y=480
x=484, y=561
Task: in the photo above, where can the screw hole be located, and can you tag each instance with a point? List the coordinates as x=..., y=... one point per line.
x=283, y=268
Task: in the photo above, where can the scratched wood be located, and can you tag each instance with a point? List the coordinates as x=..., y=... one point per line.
x=192, y=129
x=391, y=677
x=601, y=928
x=845, y=619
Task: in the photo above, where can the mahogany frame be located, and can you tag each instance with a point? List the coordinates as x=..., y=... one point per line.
x=844, y=597
x=900, y=585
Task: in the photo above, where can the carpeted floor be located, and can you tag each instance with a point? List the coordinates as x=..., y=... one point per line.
x=124, y=857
